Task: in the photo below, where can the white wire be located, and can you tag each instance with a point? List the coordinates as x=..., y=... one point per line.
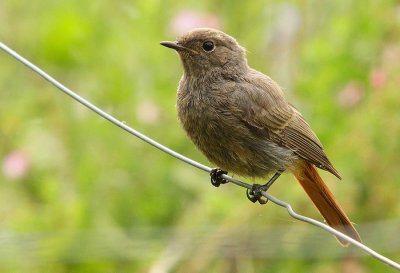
x=196, y=164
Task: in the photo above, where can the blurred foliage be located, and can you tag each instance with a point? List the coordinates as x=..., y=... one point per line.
x=79, y=195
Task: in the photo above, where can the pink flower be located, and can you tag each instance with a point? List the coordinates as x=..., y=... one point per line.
x=186, y=20
x=350, y=95
x=377, y=78
x=15, y=165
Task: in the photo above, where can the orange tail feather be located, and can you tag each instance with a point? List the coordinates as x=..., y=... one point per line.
x=325, y=202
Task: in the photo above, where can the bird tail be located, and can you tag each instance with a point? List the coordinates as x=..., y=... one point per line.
x=325, y=202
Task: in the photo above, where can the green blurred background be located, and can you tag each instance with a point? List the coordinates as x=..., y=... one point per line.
x=77, y=194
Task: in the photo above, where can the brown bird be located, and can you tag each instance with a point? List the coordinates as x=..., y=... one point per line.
x=239, y=118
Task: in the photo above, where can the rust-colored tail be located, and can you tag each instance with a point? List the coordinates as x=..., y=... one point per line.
x=325, y=202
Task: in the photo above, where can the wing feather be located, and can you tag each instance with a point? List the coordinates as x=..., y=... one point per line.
x=261, y=104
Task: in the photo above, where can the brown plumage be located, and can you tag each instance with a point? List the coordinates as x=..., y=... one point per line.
x=325, y=202
x=240, y=119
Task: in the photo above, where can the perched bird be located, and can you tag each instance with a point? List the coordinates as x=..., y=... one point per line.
x=240, y=119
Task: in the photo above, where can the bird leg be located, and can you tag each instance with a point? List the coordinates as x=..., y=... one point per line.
x=216, y=177
x=255, y=195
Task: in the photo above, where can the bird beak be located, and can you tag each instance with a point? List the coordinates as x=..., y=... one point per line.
x=173, y=45
x=178, y=47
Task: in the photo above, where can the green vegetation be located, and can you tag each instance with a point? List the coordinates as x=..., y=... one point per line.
x=79, y=195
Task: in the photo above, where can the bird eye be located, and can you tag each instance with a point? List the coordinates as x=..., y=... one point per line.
x=208, y=46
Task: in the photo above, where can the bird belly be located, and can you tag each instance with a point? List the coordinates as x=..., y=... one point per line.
x=231, y=146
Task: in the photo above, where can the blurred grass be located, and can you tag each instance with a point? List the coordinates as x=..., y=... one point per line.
x=93, y=199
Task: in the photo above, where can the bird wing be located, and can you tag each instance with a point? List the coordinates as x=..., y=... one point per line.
x=262, y=107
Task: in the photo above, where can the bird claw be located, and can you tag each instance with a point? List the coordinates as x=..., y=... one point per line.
x=254, y=194
x=216, y=177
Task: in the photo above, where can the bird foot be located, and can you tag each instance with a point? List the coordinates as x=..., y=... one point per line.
x=216, y=177
x=255, y=193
